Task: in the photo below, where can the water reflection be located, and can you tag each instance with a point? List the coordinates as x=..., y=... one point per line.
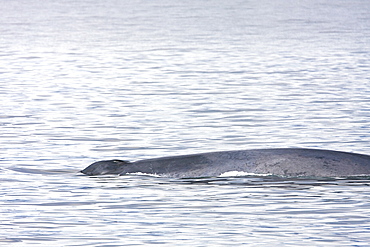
x=88, y=80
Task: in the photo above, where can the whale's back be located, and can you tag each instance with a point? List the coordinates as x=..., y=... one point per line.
x=283, y=162
x=308, y=162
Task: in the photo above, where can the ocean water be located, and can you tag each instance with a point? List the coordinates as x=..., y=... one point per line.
x=87, y=80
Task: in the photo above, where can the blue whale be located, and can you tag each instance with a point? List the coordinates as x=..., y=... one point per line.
x=281, y=162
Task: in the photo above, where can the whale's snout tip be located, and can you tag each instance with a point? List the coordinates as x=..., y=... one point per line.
x=105, y=167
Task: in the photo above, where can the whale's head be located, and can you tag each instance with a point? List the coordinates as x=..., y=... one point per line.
x=106, y=167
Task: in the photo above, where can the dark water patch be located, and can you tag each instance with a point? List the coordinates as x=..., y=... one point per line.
x=277, y=181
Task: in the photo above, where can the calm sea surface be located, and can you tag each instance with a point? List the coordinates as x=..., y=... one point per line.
x=86, y=80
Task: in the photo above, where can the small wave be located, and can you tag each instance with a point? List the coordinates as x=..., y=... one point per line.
x=41, y=171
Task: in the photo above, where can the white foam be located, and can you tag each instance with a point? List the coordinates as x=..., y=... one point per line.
x=241, y=174
x=144, y=174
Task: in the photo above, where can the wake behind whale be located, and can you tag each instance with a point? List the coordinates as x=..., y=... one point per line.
x=293, y=162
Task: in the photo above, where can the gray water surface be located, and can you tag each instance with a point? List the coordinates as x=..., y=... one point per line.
x=87, y=80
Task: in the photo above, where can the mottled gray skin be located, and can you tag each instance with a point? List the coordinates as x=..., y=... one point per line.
x=282, y=162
